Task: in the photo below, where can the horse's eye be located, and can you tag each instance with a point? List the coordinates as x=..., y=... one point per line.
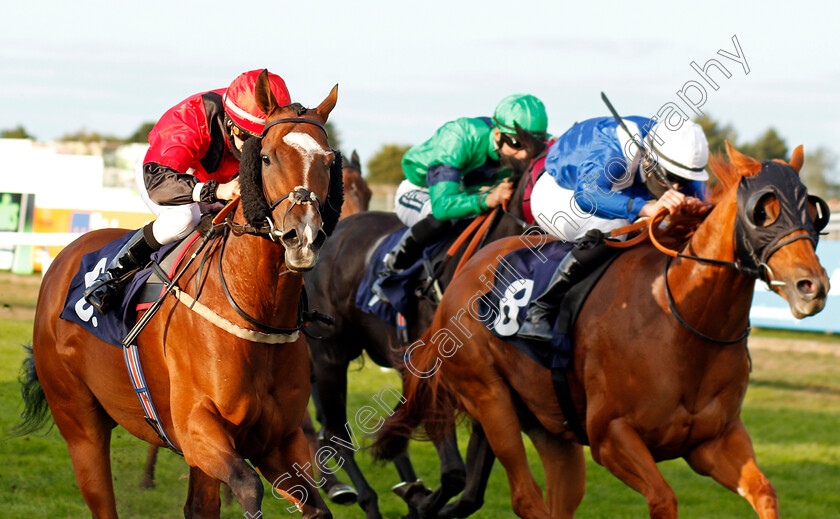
x=266, y=160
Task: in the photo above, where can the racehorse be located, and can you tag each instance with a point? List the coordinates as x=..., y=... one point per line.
x=356, y=191
x=661, y=364
x=357, y=196
x=333, y=290
x=224, y=395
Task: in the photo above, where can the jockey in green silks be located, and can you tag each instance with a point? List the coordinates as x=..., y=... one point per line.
x=461, y=172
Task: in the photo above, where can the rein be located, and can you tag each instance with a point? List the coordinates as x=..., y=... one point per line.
x=651, y=223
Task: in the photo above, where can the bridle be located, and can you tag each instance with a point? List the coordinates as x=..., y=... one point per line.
x=298, y=196
x=753, y=244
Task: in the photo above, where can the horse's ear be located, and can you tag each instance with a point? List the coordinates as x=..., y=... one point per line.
x=741, y=161
x=327, y=105
x=354, y=159
x=797, y=159
x=263, y=95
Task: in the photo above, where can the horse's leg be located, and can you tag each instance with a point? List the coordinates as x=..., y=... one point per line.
x=87, y=430
x=480, y=460
x=730, y=460
x=148, y=480
x=565, y=471
x=493, y=406
x=210, y=448
x=452, y=475
x=331, y=379
x=624, y=454
x=338, y=492
x=203, y=496
x=288, y=469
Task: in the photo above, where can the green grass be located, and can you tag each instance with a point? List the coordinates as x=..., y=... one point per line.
x=792, y=411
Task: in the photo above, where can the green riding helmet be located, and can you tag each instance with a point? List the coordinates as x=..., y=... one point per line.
x=523, y=109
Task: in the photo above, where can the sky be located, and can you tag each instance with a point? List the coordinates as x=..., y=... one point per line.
x=405, y=68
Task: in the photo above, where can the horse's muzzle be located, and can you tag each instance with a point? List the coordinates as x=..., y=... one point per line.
x=303, y=243
x=807, y=294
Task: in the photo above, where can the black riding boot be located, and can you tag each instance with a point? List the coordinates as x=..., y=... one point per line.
x=542, y=312
x=409, y=249
x=133, y=256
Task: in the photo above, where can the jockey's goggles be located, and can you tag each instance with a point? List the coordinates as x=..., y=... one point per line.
x=511, y=141
x=240, y=133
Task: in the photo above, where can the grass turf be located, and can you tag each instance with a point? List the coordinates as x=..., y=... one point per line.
x=792, y=411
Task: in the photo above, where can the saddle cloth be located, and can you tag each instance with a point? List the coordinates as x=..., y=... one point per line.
x=113, y=326
x=522, y=276
x=400, y=287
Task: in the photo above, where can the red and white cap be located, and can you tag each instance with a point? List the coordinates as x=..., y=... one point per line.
x=241, y=105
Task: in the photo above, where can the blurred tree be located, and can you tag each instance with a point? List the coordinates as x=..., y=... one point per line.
x=83, y=135
x=385, y=167
x=16, y=133
x=817, y=173
x=333, y=136
x=716, y=134
x=142, y=133
x=768, y=145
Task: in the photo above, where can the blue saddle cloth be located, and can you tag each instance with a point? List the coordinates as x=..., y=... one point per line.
x=520, y=277
x=399, y=287
x=113, y=326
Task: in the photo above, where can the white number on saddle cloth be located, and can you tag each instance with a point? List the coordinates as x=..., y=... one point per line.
x=517, y=295
x=83, y=309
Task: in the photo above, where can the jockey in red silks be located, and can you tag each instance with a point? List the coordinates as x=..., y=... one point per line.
x=191, y=163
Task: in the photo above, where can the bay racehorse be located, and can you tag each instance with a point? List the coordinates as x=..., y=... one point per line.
x=224, y=395
x=661, y=364
x=332, y=289
x=357, y=196
x=356, y=191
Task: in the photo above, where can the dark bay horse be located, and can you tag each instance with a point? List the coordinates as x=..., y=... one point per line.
x=332, y=289
x=646, y=386
x=356, y=191
x=224, y=396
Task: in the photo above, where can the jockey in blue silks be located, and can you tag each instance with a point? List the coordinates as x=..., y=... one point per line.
x=600, y=177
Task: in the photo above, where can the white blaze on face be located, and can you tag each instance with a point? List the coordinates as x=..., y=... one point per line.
x=309, y=149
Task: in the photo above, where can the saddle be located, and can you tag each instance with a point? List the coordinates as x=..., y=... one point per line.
x=143, y=289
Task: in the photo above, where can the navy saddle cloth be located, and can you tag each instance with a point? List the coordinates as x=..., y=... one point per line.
x=520, y=277
x=399, y=287
x=113, y=326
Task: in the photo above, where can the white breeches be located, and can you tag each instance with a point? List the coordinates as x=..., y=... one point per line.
x=412, y=203
x=174, y=222
x=557, y=212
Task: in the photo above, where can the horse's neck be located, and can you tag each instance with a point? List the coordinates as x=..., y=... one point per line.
x=252, y=268
x=722, y=292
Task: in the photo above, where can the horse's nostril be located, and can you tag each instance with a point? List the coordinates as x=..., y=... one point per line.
x=290, y=237
x=806, y=287
x=320, y=238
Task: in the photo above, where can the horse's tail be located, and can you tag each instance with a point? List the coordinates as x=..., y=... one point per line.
x=428, y=402
x=35, y=413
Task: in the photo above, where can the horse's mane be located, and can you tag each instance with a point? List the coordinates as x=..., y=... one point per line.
x=682, y=226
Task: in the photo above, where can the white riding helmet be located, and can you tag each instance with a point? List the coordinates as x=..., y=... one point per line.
x=684, y=152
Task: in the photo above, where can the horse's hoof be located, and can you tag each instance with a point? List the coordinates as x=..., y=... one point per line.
x=147, y=483
x=411, y=492
x=343, y=494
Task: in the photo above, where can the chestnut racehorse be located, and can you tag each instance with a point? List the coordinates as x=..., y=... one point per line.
x=357, y=196
x=660, y=356
x=223, y=398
